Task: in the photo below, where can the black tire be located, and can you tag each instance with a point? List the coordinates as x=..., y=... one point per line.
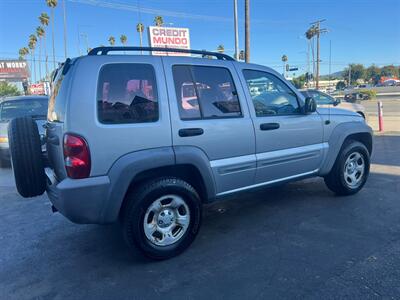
x=134, y=211
x=26, y=157
x=336, y=181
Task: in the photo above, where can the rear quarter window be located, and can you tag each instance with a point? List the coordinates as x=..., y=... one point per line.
x=58, y=98
x=127, y=93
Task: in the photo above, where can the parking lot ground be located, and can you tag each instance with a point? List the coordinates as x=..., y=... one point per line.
x=293, y=241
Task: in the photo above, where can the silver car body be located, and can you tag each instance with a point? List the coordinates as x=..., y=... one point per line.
x=232, y=155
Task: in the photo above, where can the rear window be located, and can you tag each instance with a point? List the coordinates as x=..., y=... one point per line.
x=127, y=93
x=36, y=108
x=57, y=100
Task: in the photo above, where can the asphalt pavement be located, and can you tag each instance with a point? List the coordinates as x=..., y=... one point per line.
x=391, y=107
x=292, y=241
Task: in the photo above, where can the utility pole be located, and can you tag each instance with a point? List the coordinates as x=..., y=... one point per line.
x=247, y=30
x=65, y=30
x=318, y=31
x=236, y=29
x=330, y=61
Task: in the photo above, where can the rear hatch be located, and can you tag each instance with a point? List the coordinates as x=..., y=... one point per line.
x=56, y=120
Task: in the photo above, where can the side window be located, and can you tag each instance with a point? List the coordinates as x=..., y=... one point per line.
x=270, y=95
x=205, y=92
x=127, y=93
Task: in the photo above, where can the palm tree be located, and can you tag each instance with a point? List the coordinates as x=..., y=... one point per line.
x=111, y=40
x=310, y=34
x=32, y=45
x=221, y=48
x=247, y=30
x=140, y=29
x=284, y=60
x=159, y=21
x=44, y=20
x=123, y=39
x=40, y=34
x=52, y=4
x=23, y=52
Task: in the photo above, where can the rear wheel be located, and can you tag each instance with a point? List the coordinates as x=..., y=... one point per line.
x=26, y=157
x=162, y=217
x=351, y=169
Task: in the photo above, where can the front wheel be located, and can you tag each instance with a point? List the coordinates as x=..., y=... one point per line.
x=351, y=169
x=162, y=217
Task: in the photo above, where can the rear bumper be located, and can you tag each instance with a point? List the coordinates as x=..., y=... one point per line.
x=81, y=201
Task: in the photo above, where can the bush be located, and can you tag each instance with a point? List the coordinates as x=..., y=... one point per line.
x=371, y=93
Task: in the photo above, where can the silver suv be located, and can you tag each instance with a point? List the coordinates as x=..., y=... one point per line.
x=147, y=139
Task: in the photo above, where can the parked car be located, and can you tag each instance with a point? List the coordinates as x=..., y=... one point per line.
x=13, y=107
x=356, y=96
x=123, y=143
x=325, y=100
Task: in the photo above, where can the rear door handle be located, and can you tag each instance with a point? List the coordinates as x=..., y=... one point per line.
x=269, y=126
x=190, y=132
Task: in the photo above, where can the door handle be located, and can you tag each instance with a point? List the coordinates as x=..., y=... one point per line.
x=190, y=132
x=269, y=126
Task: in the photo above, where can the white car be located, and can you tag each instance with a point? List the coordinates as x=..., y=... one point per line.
x=325, y=100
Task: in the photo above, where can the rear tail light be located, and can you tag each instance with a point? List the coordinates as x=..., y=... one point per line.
x=76, y=156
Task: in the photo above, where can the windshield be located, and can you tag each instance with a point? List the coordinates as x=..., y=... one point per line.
x=36, y=108
x=319, y=97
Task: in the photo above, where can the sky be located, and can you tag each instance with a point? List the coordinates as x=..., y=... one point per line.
x=359, y=31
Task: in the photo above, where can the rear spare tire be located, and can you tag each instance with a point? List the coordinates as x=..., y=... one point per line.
x=26, y=157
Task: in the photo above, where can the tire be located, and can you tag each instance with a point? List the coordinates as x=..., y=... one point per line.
x=340, y=179
x=26, y=157
x=140, y=205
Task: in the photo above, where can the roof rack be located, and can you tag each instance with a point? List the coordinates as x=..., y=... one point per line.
x=105, y=50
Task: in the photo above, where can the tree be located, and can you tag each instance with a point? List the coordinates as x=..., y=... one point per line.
x=340, y=85
x=52, y=4
x=44, y=20
x=221, y=48
x=140, y=29
x=372, y=74
x=357, y=71
x=111, y=40
x=299, y=81
x=7, y=89
x=247, y=30
x=284, y=60
x=123, y=38
x=159, y=21
x=40, y=34
x=23, y=52
x=390, y=71
x=32, y=46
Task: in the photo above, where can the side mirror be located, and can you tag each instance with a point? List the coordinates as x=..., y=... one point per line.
x=337, y=102
x=310, y=105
